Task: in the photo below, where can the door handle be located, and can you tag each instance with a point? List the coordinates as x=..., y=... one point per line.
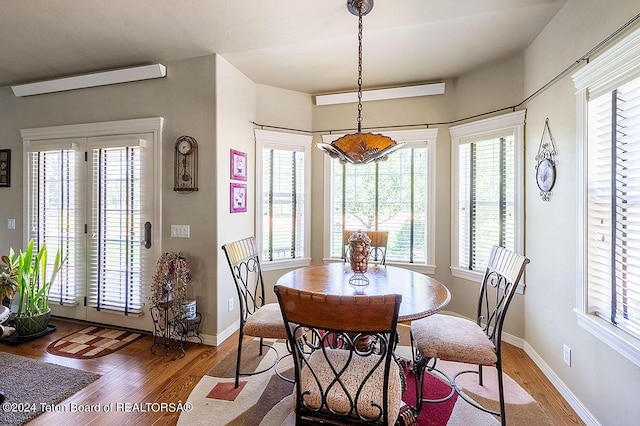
x=147, y=235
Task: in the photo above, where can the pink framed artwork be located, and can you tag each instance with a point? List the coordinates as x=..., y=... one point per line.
x=238, y=165
x=238, y=197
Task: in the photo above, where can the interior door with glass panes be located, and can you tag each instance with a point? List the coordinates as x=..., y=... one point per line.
x=119, y=215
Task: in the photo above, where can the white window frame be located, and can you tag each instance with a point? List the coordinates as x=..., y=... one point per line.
x=512, y=123
x=300, y=143
x=618, y=64
x=411, y=138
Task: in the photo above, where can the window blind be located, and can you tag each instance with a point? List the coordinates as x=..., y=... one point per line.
x=283, y=198
x=52, y=211
x=486, y=199
x=613, y=208
x=115, y=264
x=383, y=196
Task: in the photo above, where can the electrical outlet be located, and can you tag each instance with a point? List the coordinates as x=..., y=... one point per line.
x=566, y=355
x=230, y=304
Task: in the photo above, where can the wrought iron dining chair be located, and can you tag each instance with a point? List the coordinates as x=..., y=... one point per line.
x=449, y=338
x=257, y=318
x=345, y=370
x=378, y=239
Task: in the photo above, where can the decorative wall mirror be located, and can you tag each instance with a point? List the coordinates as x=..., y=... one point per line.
x=546, y=164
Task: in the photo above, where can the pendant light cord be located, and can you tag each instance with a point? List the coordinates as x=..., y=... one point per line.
x=360, y=67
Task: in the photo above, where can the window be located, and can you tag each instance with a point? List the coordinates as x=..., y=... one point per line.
x=609, y=197
x=395, y=195
x=487, y=181
x=283, y=212
x=90, y=197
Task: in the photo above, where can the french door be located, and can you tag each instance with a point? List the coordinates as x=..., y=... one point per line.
x=93, y=199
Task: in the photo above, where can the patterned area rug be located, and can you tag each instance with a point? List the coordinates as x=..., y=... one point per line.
x=92, y=342
x=265, y=399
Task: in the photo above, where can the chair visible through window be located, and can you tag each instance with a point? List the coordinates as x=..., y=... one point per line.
x=378, y=239
x=449, y=338
x=257, y=318
x=345, y=370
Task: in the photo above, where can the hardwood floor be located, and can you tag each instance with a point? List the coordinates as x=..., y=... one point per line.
x=135, y=377
x=517, y=364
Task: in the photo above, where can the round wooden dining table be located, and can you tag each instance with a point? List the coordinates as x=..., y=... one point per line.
x=421, y=295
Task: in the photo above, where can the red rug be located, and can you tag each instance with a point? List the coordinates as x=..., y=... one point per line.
x=92, y=342
x=433, y=388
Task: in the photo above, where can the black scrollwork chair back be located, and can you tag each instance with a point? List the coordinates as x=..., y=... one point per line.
x=476, y=342
x=345, y=370
x=257, y=318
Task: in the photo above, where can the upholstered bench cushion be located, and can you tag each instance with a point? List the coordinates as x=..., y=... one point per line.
x=453, y=339
x=352, y=378
x=267, y=321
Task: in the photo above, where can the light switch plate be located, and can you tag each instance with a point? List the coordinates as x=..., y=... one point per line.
x=181, y=231
x=11, y=224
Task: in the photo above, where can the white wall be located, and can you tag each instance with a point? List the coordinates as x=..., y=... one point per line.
x=235, y=109
x=600, y=381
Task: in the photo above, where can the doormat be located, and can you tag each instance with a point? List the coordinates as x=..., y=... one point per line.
x=92, y=342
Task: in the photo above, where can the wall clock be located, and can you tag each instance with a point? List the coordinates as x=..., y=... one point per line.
x=185, y=165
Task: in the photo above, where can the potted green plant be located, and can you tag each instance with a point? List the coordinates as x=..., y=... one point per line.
x=33, y=312
x=8, y=286
x=8, y=279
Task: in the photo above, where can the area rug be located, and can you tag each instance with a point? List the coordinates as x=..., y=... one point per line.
x=92, y=342
x=265, y=399
x=30, y=385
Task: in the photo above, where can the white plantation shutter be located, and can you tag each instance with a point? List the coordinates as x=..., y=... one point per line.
x=613, y=207
x=389, y=196
x=53, y=207
x=115, y=226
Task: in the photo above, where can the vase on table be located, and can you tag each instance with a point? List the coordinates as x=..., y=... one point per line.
x=359, y=249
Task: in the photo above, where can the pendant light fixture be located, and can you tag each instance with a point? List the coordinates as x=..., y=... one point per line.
x=360, y=148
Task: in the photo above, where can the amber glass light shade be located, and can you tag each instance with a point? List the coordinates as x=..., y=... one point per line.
x=360, y=148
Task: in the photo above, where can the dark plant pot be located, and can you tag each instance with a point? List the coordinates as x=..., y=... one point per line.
x=26, y=326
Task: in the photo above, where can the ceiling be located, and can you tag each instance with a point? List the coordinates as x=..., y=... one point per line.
x=302, y=45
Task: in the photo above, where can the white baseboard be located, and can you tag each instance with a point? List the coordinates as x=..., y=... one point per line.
x=564, y=390
x=513, y=340
x=216, y=340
